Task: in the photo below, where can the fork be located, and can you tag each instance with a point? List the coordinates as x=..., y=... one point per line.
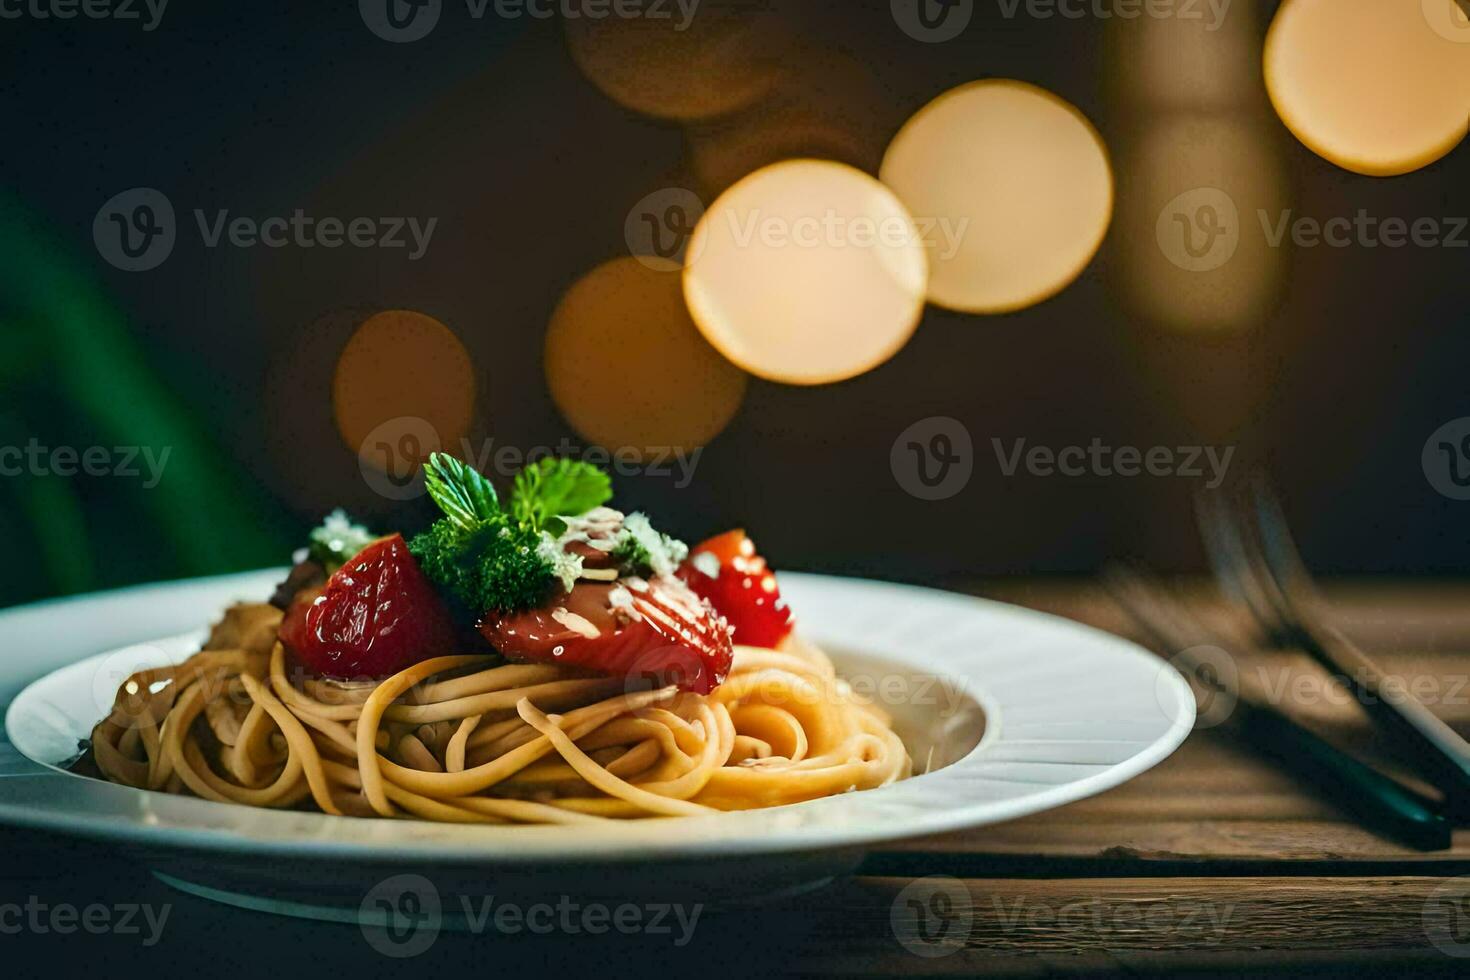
x=1256, y=560
x=1372, y=798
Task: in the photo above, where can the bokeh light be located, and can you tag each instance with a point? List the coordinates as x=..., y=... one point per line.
x=1378, y=87
x=727, y=55
x=1187, y=63
x=832, y=107
x=402, y=379
x=1017, y=185
x=628, y=368
x=1194, y=254
x=807, y=272
x=1198, y=162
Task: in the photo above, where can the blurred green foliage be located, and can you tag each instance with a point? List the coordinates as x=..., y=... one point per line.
x=73, y=378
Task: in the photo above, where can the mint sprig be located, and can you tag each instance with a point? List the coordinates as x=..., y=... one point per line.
x=484, y=558
x=462, y=493
x=553, y=488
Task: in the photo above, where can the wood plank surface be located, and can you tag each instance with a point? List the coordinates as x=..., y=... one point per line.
x=947, y=926
x=1217, y=802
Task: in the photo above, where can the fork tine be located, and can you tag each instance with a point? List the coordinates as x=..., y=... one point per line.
x=1144, y=599
x=1279, y=547
x=1236, y=558
x=1220, y=547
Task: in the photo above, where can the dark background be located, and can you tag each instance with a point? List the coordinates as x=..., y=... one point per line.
x=1353, y=357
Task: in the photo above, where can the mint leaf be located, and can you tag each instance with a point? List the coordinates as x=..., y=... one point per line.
x=465, y=497
x=552, y=488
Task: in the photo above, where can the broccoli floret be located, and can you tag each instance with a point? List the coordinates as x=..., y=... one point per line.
x=496, y=565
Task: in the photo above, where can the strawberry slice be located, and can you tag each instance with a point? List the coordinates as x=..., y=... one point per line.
x=631, y=628
x=727, y=571
x=376, y=616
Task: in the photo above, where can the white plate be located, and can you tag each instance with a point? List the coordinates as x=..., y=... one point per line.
x=1065, y=711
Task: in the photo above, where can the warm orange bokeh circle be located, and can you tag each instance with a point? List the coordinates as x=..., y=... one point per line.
x=628, y=368
x=403, y=370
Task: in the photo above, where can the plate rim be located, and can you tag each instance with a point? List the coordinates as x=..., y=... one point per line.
x=475, y=844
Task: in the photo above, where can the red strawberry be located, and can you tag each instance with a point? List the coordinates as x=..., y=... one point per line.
x=727, y=571
x=376, y=616
x=631, y=628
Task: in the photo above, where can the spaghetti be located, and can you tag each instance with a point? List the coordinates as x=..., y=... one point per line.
x=473, y=739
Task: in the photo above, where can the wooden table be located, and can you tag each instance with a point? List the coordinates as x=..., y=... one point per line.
x=1215, y=860
x=1212, y=863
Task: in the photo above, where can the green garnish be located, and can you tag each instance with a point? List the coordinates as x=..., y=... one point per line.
x=465, y=497
x=495, y=565
x=552, y=488
x=563, y=565
x=337, y=541
x=485, y=558
x=641, y=548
